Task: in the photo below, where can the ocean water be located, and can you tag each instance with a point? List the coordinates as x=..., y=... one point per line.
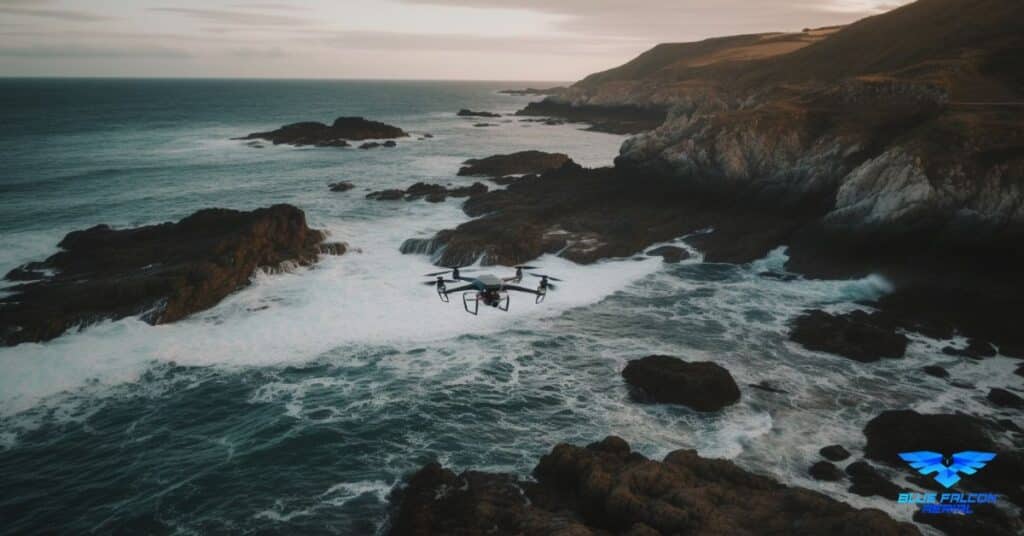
x=298, y=403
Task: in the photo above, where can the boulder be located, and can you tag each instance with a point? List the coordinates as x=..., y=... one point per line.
x=606, y=488
x=867, y=481
x=856, y=335
x=936, y=371
x=703, y=386
x=835, y=453
x=670, y=254
x=470, y=113
x=334, y=135
x=975, y=349
x=825, y=471
x=1004, y=398
x=342, y=186
x=161, y=272
x=513, y=164
x=433, y=193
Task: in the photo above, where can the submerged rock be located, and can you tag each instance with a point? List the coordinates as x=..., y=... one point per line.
x=835, y=453
x=334, y=135
x=670, y=254
x=162, y=272
x=433, y=193
x=470, y=113
x=703, y=385
x=857, y=335
x=606, y=488
x=825, y=471
x=513, y=164
x=342, y=186
x=936, y=371
x=1004, y=398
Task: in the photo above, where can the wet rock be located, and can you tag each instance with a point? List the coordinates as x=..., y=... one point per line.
x=825, y=471
x=1019, y=370
x=976, y=349
x=703, y=386
x=334, y=135
x=26, y=272
x=605, y=488
x=670, y=254
x=898, y=431
x=479, y=125
x=762, y=386
x=162, y=272
x=470, y=113
x=867, y=481
x=433, y=193
x=856, y=335
x=342, y=186
x=370, y=145
x=387, y=195
x=390, y=143
x=1005, y=399
x=835, y=453
x=513, y=164
x=937, y=371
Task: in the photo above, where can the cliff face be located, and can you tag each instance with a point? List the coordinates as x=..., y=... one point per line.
x=901, y=122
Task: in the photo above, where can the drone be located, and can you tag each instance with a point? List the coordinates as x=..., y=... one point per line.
x=488, y=289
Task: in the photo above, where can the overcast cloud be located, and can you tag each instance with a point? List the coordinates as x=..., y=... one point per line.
x=443, y=39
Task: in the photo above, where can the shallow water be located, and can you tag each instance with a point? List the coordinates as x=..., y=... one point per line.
x=296, y=404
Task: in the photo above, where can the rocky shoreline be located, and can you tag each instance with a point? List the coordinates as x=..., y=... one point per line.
x=162, y=273
x=606, y=488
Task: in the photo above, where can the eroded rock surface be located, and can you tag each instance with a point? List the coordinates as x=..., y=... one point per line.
x=162, y=272
x=606, y=488
x=703, y=385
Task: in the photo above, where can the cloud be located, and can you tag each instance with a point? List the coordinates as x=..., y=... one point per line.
x=225, y=16
x=77, y=50
x=59, y=14
x=682, y=20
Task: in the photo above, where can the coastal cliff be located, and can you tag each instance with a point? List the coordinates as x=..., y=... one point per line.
x=899, y=123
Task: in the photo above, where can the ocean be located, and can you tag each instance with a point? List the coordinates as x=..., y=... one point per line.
x=298, y=403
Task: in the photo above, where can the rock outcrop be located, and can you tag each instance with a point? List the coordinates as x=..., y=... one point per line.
x=513, y=164
x=433, y=193
x=162, y=272
x=703, y=385
x=337, y=134
x=857, y=335
x=470, y=113
x=606, y=488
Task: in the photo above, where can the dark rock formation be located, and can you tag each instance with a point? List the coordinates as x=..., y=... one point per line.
x=334, y=135
x=374, y=144
x=703, y=386
x=470, y=113
x=605, y=488
x=513, y=164
x=341, y=186
x=834, y=453
x=619, y=119
x=1005, y=399
x=480, y=125
x=434, y=193
x=984, y=519
x=825, y=471
x=975, y=349
x=856, y=335
x=935, y=370
x=893, y=432
x=670, y=254
x=866, y=481
x=163, y=272
x=534, y=91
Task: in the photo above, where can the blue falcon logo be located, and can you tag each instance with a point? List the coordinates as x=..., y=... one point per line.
x=967, y=462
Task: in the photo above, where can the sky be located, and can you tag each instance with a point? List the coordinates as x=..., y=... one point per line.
x=556, y=40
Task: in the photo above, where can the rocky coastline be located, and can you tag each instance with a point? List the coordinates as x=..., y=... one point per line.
x=161, y=273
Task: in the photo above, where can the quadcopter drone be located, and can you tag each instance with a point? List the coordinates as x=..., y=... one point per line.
x=489, y=289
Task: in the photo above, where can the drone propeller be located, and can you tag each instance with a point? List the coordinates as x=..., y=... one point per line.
x=453, y=269
x=542, y=276
x=434, y=283
x=435, y=274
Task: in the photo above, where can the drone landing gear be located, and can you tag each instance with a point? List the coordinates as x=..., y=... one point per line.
x=471, y=302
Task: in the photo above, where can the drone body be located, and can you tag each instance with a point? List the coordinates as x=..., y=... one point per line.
x=489, y=289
